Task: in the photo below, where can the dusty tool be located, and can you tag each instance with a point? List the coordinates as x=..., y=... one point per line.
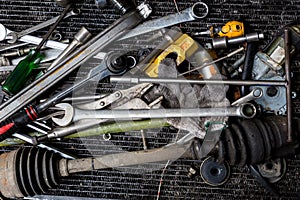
x=184, y=47
x=72, y=114
x=16, y=35
x=224, y=42
x=23, y=71
x=271, y=59
x=30, y=39
x=214, y=61
x=254, y=94
x=198, y=11
x=17, y=182
x=48, y=56
x=289, y=104
x=57, y=73
x=137, y=80
x=80, y=38
x=123, y=99
x=230, y=29
x=118, y=97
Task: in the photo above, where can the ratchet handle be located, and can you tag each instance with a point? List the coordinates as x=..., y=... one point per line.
x=17, y=121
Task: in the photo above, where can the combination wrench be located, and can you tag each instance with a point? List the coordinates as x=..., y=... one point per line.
x=256, y=93
x=14, y=36
x=13, y=115
x=198, y=11
x=4, y=35
x=72, y=114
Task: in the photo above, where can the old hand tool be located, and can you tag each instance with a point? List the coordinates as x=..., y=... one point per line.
x=123, y=99
x=80, y=38
x=72, y=114
x=198, y=11
x=23, y=71
x=16, y=35
x=224, y=42
x=54, y=75
x=29, y=39
x=254, y=94
x=137, y=80
x=230, y=29
x=118, y=97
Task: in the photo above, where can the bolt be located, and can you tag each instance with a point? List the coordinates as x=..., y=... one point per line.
x=272, y=91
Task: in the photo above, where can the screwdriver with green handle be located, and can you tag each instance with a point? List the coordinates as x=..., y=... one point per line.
x=24, y=70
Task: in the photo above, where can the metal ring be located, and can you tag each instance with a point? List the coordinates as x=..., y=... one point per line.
x=214, y=173
x=106, y=136
x=248, y=110
x=197, y=8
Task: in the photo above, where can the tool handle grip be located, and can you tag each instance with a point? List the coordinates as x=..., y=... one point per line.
x=17, y=121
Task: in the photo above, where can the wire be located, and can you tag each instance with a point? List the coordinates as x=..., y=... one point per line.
x=161, y=179
x=176, y=6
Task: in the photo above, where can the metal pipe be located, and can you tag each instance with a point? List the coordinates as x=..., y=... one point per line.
x=288, y=85
x=188, y=81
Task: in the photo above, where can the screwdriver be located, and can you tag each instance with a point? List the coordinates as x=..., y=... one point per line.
x=24, y=70
x=230, y=29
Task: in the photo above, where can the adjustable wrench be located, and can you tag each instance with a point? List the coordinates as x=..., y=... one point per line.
x=198, y=11
x=73, y=114
x=16, y=35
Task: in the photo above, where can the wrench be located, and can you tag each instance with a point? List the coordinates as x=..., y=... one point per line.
x=16, y=35
x=9, y=114
x=73, y=114
x=256, y=93
x=120, y=96
x=198, y=11
x=4, y=35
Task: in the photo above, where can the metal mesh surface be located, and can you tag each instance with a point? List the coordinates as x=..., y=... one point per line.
x=263, y=16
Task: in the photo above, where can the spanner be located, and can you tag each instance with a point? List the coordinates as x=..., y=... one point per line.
x=4, y=35
x=198, y=11
x=16, y=35
x=72, y=114
x=254, y=94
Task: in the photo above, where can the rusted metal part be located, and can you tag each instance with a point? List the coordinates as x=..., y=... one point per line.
x=288, y=87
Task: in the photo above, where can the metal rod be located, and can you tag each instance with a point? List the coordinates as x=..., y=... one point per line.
x=188, y=81
x=288, y=85
x=214, y=61
x=53, y=27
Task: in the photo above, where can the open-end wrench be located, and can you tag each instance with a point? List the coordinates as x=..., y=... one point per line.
x=14, y=36
x=4, y=35
x=254, y=94
x=72, y=114
x=13, y=115
x=198, y=11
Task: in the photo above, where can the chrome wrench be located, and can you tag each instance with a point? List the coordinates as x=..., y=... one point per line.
x=13, y=109
x=72, y=114
x=256, y=93
x=16, y=35
x=4, y=35
x=198, y=11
